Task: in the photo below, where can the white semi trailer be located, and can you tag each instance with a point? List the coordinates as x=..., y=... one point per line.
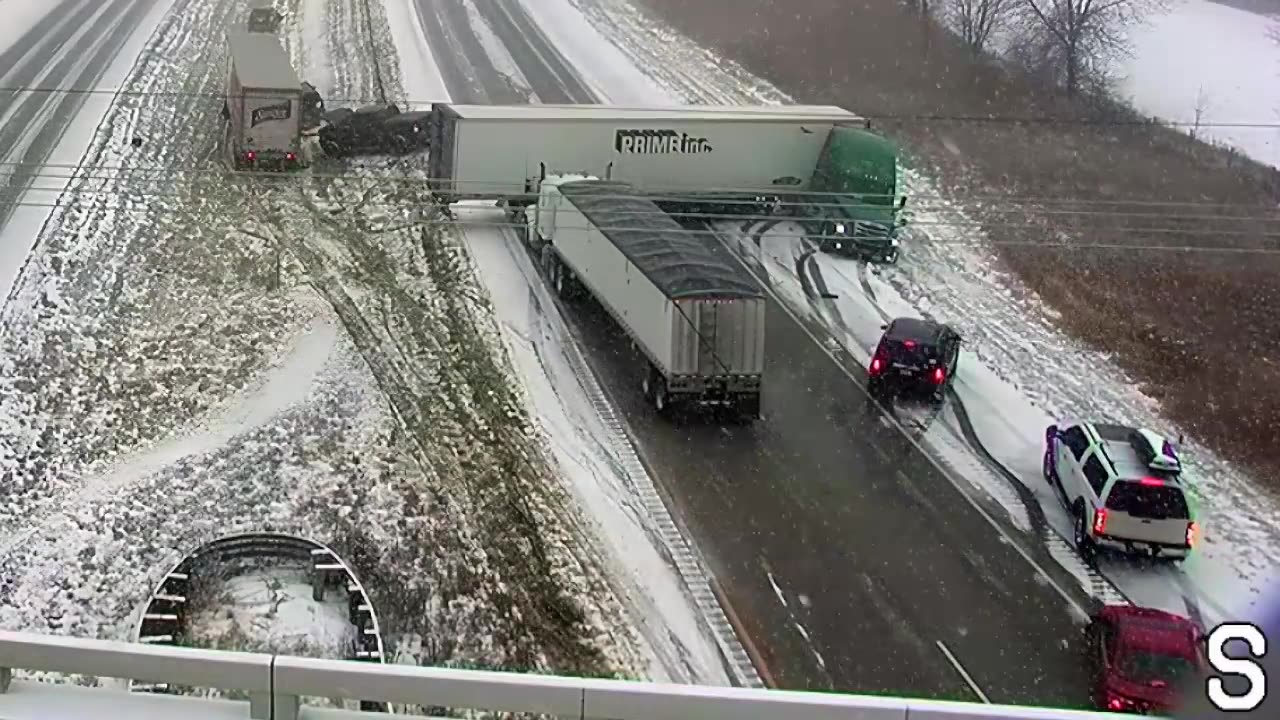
x=263, y=106
x=503, y=151
x=691, y=308
x=820, y=163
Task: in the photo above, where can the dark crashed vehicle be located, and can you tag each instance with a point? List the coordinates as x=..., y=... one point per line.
x=373, y=130
x=914, y=357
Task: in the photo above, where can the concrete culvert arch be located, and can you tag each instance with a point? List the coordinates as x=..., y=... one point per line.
x=198, y=593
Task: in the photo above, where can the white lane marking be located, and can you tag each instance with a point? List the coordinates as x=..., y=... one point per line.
x=955, y=482
x=777, y=591
x=963, y=673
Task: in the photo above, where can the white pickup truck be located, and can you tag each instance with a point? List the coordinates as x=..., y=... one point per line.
x=1123, y=487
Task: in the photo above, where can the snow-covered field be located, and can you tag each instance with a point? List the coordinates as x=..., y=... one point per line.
x=1015, y=352
x=1218, y=59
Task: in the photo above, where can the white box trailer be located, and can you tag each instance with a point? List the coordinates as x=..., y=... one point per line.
x=692, y=309
x=263, y=104
x=497, y=151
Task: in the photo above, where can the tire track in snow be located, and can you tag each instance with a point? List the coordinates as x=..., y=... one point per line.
x=1104, y=593
x=1058, y=548
x=1061, y=548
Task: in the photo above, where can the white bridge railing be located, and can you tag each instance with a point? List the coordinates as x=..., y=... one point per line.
x=274, y=684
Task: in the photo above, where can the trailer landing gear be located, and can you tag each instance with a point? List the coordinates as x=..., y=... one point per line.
x=562, y=280
x=655, y=391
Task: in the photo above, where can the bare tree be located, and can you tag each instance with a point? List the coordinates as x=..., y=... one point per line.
x=1202, y=107
x=978, y=20
x=1080, y=36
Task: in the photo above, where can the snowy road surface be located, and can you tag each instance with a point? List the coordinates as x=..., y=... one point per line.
x=774, y=516
x=75, y=45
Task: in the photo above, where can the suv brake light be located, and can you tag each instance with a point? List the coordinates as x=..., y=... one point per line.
x=908, y=344
x=1100, y=521
x=1193, y=533
x=877, y=365
x=1151, y=482
x=939, y=375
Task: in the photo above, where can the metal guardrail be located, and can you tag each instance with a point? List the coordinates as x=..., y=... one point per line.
x=275, y=685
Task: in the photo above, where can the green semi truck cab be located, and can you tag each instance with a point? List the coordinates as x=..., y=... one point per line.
x=853, y=207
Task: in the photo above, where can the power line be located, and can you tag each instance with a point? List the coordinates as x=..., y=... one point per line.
x=663, y=194
x=883, y=117
x=946, y=205
x=1064, y=245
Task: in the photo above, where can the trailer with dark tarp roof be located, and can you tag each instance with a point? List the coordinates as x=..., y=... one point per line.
x=689, y=306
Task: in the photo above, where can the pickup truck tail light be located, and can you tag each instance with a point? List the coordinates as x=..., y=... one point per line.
x=1193, y=534
x=1100, y=521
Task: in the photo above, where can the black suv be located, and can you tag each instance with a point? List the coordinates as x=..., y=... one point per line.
x=373, y=129
x=914, y=356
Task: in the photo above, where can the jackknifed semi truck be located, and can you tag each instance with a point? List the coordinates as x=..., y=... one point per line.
x=821, y=165
x=690, y=307
x=264, y=105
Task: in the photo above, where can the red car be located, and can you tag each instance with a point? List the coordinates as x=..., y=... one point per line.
x=1140, y=659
